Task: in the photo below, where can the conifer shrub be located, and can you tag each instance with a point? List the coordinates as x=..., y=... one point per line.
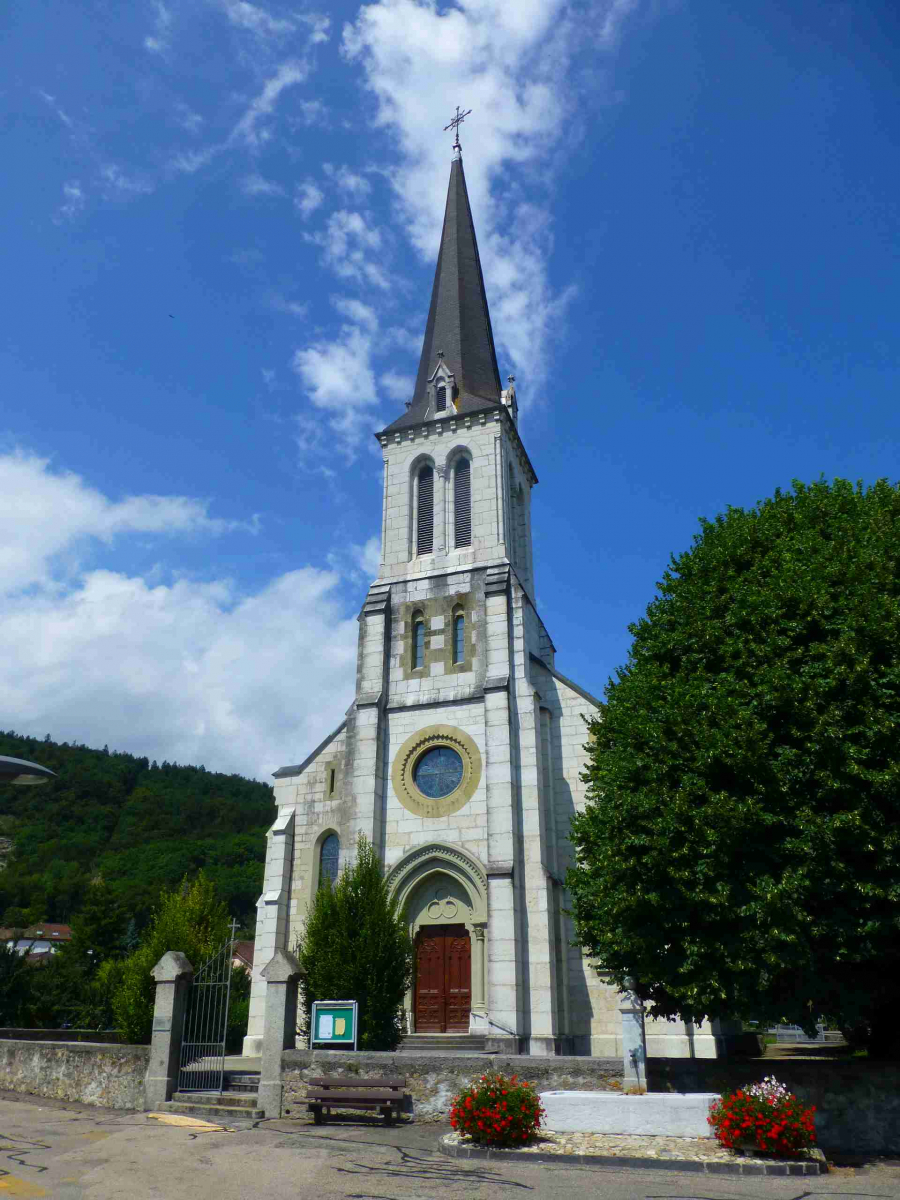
x=497, y=1111
x=355, y=945
x=190, y=919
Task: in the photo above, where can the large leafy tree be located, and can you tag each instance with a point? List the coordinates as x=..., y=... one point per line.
x=355, y=945
x=740, y=851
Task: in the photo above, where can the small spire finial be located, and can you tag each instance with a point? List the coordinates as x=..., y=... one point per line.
x=455, y=123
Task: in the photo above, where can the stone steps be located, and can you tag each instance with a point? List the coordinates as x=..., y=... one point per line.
x=242, y=1081
x=214, y=1105
x=442, y=1043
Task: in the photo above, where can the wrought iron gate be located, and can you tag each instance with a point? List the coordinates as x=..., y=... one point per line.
x=202, y=1067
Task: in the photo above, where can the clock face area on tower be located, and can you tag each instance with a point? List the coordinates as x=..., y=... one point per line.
x=436, y=771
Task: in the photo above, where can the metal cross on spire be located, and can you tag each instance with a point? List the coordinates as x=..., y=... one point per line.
x=455, y=123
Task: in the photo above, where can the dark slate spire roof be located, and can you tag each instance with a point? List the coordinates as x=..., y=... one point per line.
x=458, y=321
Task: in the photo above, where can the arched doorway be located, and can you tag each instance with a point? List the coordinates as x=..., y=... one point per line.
x=443, y=893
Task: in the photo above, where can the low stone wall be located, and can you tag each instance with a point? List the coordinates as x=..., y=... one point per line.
x=93, y=1073
x=433, y=1081
x=857, y=1101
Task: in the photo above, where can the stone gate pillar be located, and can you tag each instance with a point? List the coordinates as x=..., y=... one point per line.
x=281, y=974
x=173, y=974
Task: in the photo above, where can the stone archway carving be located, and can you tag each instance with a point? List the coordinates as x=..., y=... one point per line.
x=413, y=868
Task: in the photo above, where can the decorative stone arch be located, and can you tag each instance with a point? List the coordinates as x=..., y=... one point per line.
x=463, y=880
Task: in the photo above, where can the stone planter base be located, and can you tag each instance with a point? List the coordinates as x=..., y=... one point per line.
x=664, y=1114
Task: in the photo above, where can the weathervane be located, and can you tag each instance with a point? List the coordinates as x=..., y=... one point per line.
x=455, y=124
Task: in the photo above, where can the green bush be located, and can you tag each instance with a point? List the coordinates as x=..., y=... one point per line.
x=356, y=946
x=190, y=919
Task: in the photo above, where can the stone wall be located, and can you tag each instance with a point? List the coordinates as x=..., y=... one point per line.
x=857, y=1101
x=432, y=1082
x=93, y=1073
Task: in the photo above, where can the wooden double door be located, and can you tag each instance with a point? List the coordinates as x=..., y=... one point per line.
x=443, y=979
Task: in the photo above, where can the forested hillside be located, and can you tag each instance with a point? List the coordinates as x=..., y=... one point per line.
x=139, y=825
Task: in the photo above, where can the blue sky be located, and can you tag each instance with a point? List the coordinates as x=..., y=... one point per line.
x=221, y=220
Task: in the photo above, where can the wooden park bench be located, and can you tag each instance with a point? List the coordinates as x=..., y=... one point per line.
x=342, y=1091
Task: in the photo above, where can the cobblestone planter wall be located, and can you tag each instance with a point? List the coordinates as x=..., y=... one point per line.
x=90, y=1072
x=433, y=1081
x=857, y=1102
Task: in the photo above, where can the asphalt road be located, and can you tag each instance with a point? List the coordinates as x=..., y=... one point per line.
x=77, y=1153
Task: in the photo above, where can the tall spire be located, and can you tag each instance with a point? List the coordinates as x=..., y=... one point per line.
x=458, y=331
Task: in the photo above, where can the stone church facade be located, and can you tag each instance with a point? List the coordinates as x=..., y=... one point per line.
x=461, y=755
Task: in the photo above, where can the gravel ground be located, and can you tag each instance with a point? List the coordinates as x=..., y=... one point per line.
x=629, y=1146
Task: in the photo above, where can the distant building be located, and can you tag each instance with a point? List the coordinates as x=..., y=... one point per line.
x=37, y=939
x=243, y=956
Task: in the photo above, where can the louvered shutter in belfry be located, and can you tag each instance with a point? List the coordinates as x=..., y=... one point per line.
x=425, y=522
x=441, y=398
x=462, y=503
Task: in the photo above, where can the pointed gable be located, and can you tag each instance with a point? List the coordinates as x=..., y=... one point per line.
x=459, y=323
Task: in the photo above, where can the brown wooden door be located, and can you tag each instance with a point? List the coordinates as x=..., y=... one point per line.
x=443, y=979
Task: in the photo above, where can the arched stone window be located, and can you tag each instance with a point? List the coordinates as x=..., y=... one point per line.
x=418, y=641
x=462, y=502
x=459, y=635
x=441, y=398
x=329, y=859
x=425, y=510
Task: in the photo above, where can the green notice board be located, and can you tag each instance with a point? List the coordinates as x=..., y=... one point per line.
x=334, y=1023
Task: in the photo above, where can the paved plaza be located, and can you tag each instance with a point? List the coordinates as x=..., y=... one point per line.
x=73, y=1152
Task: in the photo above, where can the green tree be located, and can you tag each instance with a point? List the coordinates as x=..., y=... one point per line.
x=739, y=854
x=355, y=946
x=97, y=927
x=191, y=919
x=16, y=980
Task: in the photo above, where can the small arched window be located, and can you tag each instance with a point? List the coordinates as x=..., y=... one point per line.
x=459, y=637
x=418, y=641
x=462, y=503
x=329, y=859
x=425, y=511
x=441, y=398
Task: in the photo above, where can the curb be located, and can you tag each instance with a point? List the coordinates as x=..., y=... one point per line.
x=695, y=1166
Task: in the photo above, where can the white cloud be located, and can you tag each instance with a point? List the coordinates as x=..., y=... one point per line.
x=338, y=377
x=356, y=311
x=256, y=185
x=73, y=203
x=187, y=671
x=190, y=161
x=158, y=41
x=307, y=199
x=50, y=519
x=397, y=386
x=369, y=557
x=188, y=119
x=350, y=244
x=251, y=128
x=522, y=68
x=51, y=101
x=257, y=20
x=115, y=182
x=348, y=181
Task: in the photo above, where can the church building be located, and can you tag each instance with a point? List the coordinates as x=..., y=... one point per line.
x=461, y=755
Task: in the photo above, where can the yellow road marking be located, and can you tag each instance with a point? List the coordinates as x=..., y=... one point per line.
x=11, y=1185
x=188, y=1122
